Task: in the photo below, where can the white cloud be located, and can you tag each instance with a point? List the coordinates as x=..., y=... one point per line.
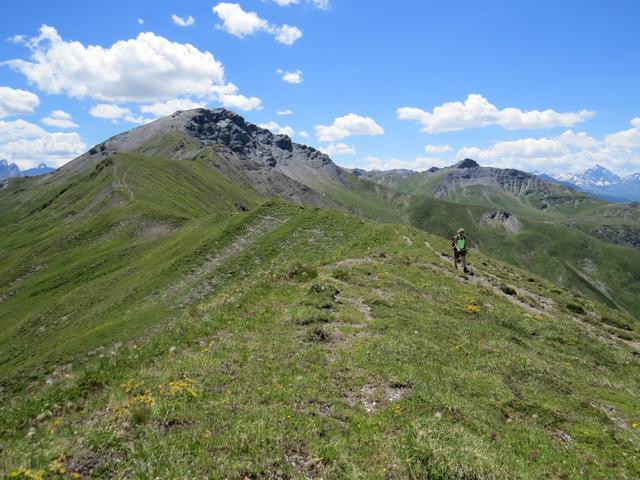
x=338, y=148
x=626, y=138
x=437, y=148
x=240, y=23
x=29, y=145
x=287, y=34
x=285, y=112
x=229, y=97
x=14, y=101
x=303, y=134
x=347, y=126
x=290, y=77
x=149, y=68
x=321, y=4
x=109, y=112
x=476, y=111
x=420, y=163
x=60, y=119
x=182, y=21
x=277, y=129
x=162, y=109
x=567, y=152
x=141, y=21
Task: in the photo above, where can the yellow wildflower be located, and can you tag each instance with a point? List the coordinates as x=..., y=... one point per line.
x=472, y=308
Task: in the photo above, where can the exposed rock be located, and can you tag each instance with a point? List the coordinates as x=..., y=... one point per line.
x=501, y=218
x=467, y=163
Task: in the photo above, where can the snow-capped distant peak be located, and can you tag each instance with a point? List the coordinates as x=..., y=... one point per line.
x=594, y=176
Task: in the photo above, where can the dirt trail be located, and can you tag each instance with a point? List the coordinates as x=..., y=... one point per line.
x=196, y=285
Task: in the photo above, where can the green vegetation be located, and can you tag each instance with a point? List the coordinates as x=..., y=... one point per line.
x=298, y=342
x=161, y=319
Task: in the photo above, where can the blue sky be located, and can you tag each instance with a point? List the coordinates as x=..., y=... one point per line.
x=542, y=86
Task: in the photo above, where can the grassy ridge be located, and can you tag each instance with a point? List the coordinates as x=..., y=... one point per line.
x=327, y=346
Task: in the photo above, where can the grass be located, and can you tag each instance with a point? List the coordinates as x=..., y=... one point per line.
x=161, y=320
x=332, y=347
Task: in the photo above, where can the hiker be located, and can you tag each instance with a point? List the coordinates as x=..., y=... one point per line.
x=459, y=244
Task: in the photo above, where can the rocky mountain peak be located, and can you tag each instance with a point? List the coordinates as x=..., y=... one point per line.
x=467, y=163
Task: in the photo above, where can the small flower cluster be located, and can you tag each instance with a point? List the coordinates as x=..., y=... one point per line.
x=131, y=386
x=181, y=387
x=472, y=308
x=26, y=474
x=56, y=470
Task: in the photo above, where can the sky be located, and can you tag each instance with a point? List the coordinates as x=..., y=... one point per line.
x=543, y=86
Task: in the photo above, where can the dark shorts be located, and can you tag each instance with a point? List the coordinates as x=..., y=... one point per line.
x=460, y=253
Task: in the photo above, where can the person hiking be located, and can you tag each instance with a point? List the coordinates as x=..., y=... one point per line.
x=459, y=244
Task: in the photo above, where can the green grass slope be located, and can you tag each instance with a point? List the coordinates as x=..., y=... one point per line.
x=564, y=254
x=295, y=342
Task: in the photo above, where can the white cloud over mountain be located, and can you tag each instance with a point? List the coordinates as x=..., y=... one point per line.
x=273, y=127
x=567, y=152
x=148, y=68
x=241, y=23
x=347, y=126
x=162, y=109
x=476, y=111
x=338, y=148
x=14, y=101
x=28, y=144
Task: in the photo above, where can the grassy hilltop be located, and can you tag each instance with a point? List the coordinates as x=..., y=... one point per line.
x=160, y=318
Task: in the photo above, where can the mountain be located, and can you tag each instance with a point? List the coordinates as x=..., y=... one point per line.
x=603, y=183
x=548, y=228
x=179, y=302
x=597, y=176
x=8, y=170
x=41, y=169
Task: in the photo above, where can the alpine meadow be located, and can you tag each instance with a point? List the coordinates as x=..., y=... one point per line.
x=399, y=278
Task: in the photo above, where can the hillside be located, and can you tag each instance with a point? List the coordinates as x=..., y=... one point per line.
x=564, y=235
x=179, y=302
x=295, y=342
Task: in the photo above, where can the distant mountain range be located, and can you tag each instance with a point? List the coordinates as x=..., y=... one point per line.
x=602, y=183
x=12, y=170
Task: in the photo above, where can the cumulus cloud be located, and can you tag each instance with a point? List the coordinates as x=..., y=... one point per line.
x=162, y=109
x=28, y=145
x=477, y=111
x=14, y=101
x=626, y=138
x=240, y=23
x=285, y=112
x=303, y=134
x=419, y=164
x=60, y=119
x=109, y=111
x=347, y=126
x=275, y=128
x=338, y=148
x=183, y=21
x=437, y=148
x=149, y=68
x=290, y=77
x=568, y=152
